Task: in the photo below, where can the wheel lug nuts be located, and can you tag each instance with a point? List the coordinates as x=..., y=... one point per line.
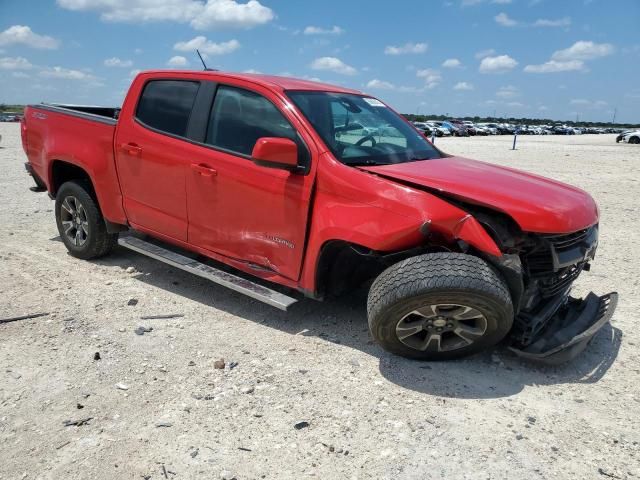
x=449, y=325
x=439, y=329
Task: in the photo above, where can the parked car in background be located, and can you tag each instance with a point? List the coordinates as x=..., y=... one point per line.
x=424, y=128
x=631, y=136
x=439, y=131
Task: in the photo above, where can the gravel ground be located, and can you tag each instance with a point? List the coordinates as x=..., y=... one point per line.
x=305, y=393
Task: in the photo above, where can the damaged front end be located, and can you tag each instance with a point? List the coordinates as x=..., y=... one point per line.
x=550, y=326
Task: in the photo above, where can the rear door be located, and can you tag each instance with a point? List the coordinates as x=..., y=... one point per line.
x=241, y=210
x=152, y=155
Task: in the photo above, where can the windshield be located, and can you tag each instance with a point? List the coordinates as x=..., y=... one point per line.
x=362, y=130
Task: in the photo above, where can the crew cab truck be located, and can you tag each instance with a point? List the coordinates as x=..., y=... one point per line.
x=300, y=186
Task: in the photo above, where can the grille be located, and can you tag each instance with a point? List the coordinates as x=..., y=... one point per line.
x=554, y=284
x=566, y=241
x=539, y=261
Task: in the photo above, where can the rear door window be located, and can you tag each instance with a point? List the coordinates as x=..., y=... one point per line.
x=240, y=117
x=165, y=105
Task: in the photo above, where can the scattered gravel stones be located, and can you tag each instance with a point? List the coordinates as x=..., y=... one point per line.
x=301, y=425
x=219, y=364
x=122, y=386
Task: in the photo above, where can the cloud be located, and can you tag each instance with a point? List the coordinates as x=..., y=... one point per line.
x=572, y=59
x=23, y=35
x=546, y=22
x=66, y=74
x=405, y=49
x=452, y=63
x=177, y=61
x=431, y=77
x=20, y=75
x=514, y=104
x=463, y=86
x=507, y=92
x=205, y=46
x=333, y=64
x=583, y=50
x=501, y=2
x=498, y=64
x=485, y=53
x=229, y=13
x=588, y=103
x=201, y=15
x=14, y=63
x=380, y=85
x=116, y=62
x=311, y=30
x=554, y=66
x=504, y=20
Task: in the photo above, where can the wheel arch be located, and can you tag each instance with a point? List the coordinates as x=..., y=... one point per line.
x=61, y=171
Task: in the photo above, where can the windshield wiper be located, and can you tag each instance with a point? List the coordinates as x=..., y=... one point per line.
x=361, y=163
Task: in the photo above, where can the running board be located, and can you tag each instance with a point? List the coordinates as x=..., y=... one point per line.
x=239, y=284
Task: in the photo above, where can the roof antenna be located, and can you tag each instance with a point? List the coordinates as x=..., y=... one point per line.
x=206, y=69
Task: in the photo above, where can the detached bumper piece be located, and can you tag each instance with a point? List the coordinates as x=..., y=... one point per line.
x=570, y=329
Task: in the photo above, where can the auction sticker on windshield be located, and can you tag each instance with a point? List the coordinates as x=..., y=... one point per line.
x=374, y=102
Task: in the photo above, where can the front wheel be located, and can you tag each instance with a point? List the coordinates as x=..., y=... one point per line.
x=439, y=306
x=634, y=140
x=80, y=222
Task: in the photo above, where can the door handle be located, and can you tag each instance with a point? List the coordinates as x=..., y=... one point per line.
x=204, y=170
x=132, y=149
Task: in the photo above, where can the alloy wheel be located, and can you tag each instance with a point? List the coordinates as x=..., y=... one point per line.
x=73, y=217
x=441, y=327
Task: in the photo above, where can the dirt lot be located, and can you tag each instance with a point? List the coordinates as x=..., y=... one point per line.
x=369, y=414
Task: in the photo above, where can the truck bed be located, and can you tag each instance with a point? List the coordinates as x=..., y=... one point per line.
x=100, y=114
x=60, y=136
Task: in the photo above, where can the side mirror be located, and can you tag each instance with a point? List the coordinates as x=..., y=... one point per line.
x=275, y=152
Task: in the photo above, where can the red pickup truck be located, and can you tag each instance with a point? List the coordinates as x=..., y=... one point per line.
x=321, y=189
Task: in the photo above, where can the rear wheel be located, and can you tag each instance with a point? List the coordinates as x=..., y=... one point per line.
x=439, y=306
x=634, y=140
x=80, y=222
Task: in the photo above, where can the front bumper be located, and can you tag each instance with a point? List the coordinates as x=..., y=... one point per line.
x=570, y=329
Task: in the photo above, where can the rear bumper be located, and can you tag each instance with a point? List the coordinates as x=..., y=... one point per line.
x=570, y=329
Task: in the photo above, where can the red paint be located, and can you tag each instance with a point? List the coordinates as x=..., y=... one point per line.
x=274, y=223
x=536, y=203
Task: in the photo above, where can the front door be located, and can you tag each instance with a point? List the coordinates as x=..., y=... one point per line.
x=237, y=208
x=150, y=151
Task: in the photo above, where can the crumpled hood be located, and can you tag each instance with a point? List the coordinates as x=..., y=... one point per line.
x=536, y=203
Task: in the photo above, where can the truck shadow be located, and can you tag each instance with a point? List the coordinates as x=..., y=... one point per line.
x=343, y=321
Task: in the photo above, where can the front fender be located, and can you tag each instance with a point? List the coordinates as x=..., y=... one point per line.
x=361, y=208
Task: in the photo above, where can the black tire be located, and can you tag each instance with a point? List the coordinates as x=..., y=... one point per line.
x=440, y=283
x=94, y=240
x=634, y=140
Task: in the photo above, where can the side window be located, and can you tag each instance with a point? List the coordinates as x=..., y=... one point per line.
x=166, y=105
x=240, y=117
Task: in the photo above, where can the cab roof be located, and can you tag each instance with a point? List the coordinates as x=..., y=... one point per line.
x=271, y=81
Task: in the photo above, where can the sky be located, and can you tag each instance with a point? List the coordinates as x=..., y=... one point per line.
x=559, y=59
